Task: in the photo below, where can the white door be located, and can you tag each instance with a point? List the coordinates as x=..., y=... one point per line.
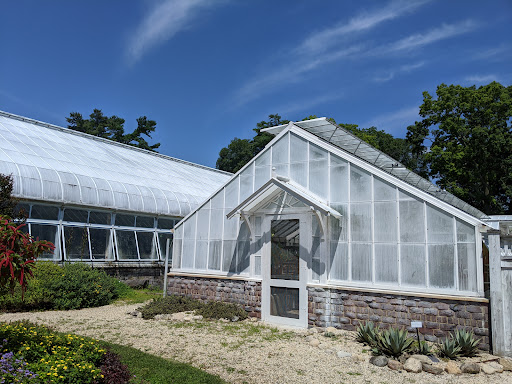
x=285, y=256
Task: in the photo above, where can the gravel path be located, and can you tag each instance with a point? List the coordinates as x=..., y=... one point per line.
x=244, y=352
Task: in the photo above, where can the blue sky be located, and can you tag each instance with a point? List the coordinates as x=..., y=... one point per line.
x=208, y=71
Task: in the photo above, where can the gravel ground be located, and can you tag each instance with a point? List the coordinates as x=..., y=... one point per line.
x=243, y=352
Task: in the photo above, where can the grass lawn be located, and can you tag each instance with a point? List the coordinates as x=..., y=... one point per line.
x=156, y=370
x=135, y=296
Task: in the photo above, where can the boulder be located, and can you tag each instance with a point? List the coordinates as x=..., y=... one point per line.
x=413, y=365
x=178, y=316
x=197, y=317
x=505, y=363
x=314, y=343
x=395, y=365
x=433, y=369
x=472, y=368
x=423, y=358
x=498, y=367
x=379, y=361
x=331, y=330
x=488, y=369
x=312, y=331
x=452, y=368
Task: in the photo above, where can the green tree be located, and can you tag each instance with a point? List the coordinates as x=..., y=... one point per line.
x=112, y=128
x=7, y=201
x=470, y=136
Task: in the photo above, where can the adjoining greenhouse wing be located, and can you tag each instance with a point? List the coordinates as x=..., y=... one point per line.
x=322, y=229
x=95, y=199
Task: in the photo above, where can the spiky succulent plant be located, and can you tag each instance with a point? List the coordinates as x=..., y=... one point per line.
x=449, y=348
x=367, y=333
x=467, y=342
x=394, y=342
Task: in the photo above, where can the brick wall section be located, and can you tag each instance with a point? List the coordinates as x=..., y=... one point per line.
x=345, y=309
x=136, y=276
x=245, y=293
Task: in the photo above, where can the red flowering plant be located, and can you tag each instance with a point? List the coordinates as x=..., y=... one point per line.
x=18, y=253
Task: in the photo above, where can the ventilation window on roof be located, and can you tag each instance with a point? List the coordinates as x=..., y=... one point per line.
x=165, y=223
x=145, y=221
x=96, y=217
x=75, y=215
x=125, y=220
x=44, y=212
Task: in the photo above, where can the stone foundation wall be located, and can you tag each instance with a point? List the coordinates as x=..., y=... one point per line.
x=245, y=293
x=345, y=309
x=137, y=276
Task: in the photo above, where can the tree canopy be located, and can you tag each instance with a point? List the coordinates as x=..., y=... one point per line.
x=112, y=128
x=470, y=135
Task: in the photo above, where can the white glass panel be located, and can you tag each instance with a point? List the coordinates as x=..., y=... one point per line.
x=216, y=221
x=217, y=201
x=412, y=262
x=465, y=232
x=360, y=222
x=439, y=226
x=263, y=160
x=361, y=262
x=318, y=173
x=282, y=169
x=257, y=225
x=232, y=194
x=441, y=265
x=280, y=151
x=467, y=267
x=298, y=150
x=383, y=191
x=201, y=254
x=339, y=261
x=214, y=256
x=203, y=223
x=385, y=222
x=147, y=245
x=317, y=153
x=246, y=182
x=229, y=256
x=162, y=241
x=360, y=184
x=299, y=173
x=412, y=221
x=339, y=179
x=262, y=169
x=101, y=244
x=386, y=263
x=190, y=227
x=176, y=253
x=230, y=228
x=187, y=259
x=338, y=228
x=257, y=265
x=76, y=240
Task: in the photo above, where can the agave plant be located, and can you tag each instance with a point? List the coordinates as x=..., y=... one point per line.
x=467, y=342
x=367, y=333
x=422, y=347
x=394, y=342
x=449, y=348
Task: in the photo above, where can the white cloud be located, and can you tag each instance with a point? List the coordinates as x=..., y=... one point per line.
x=434, y=35
x=394, y=122
x=402, y=69
x=162, y=23
x=304, y=106
x=501, y=52
x=481, y=79
x=321, y=41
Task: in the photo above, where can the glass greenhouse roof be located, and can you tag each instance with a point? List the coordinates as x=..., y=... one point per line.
x=51, y=163
x=345, y=140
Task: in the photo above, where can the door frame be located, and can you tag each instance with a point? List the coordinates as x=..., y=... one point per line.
x=305, y=239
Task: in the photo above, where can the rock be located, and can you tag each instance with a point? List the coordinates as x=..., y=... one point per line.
x=498, y=367
x=433, y=369
x=134, y=313
x=253, y=319
x=312, y=331
x=235, y=319
x=178, y=316
x=452, y=368
x=488, y=369
x=329, y=351
x=505, y=363
x=197, y=317
x=343, y=354
x=314, y=343
x=323, y=346
x=188, y=318
x=309, y=338
x=413, y=365
x=331, y=330
x=423, y=358
x=358, y=358
x=395, y=365
x=472, y=368
x=434, y=359
x=223, y=320
x=379, y=361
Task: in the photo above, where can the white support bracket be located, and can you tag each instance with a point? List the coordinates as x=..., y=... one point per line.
x=321, y=221
x=244, y=217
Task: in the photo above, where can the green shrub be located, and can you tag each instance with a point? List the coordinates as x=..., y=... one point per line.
x=71, y=286
x=367, y=333
x=174, y=304
x=394, y=342
x=168, y=305
x=221, y=310
x=467, y=342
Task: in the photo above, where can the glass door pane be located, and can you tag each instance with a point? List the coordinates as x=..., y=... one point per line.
x=284, y=263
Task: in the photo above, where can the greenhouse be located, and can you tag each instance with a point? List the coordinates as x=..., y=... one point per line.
x=95, y=199
x=322, y=229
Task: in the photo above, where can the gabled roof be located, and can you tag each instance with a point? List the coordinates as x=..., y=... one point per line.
x=350, y=143
x=55, y=164
x=274, y=186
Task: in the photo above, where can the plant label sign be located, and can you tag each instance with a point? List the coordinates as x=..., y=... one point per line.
x=416, y=324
